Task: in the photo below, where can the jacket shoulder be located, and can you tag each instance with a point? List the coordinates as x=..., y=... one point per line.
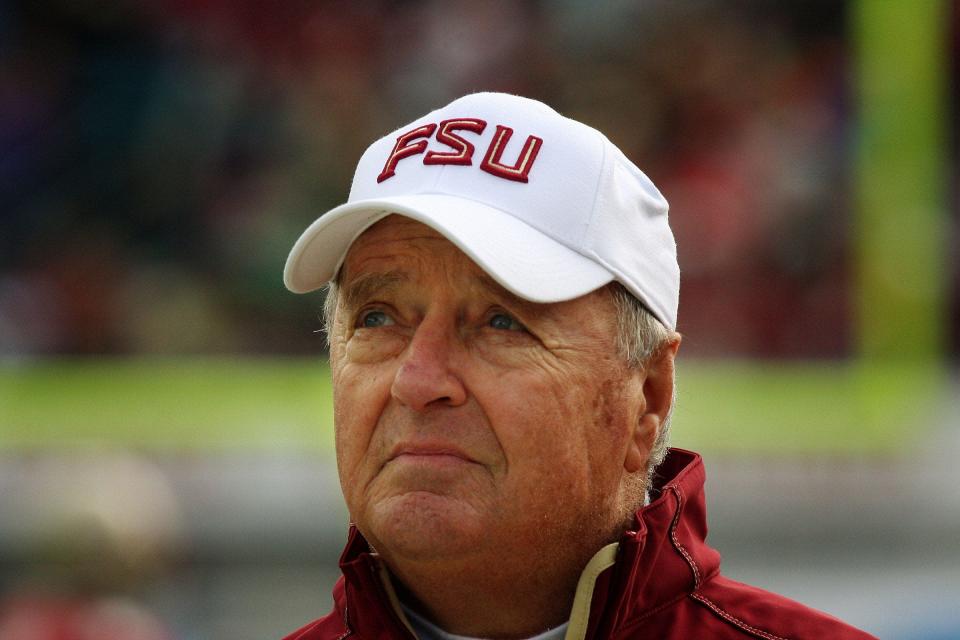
x=762, y=614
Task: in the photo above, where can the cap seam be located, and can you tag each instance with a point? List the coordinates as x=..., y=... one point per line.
x=587, y=234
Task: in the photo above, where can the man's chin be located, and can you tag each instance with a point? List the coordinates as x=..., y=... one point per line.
x=423, y=526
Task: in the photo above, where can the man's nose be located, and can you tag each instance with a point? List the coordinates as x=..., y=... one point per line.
x=425, y=377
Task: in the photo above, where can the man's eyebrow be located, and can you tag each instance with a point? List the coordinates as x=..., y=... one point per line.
x=369, y=285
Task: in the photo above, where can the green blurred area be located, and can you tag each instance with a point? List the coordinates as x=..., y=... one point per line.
x=167, y=404
x=211, y=405
x=901, y=178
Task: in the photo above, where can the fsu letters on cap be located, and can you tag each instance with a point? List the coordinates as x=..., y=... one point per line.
x=415, y=142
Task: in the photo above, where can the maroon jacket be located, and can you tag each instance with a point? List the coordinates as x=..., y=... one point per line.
x=662, y=581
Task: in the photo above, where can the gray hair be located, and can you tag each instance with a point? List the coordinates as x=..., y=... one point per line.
x=640, y=336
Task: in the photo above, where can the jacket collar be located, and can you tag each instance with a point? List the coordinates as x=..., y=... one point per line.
x=662, y=558
x=365, y=597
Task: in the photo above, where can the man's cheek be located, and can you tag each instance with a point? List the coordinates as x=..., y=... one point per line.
x=359, y=400
x=356, y=470
x=352, y=441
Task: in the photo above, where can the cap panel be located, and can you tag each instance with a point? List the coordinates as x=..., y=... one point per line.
x=562, y=182
x=562, y=178
x=630, y=235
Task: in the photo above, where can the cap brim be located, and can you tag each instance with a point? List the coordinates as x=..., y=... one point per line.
x=523, y=260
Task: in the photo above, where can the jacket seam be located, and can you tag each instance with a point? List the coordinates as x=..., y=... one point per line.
x=737, y=622
x=724, y=615
x=676, y=543
x=666, y=605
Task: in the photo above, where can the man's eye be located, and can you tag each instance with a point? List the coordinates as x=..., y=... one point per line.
x=374, y=319
x=505, y=322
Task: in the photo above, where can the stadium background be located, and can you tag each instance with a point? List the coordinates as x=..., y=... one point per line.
x=165, y=445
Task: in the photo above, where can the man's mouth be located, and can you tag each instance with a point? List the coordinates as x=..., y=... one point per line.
x=430, y=453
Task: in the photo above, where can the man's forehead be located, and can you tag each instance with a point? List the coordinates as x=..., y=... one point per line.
x=397, y=252
x=396, y=243
x=395, y=228
x=386, y=256
x=389, y=241
x=373, y=282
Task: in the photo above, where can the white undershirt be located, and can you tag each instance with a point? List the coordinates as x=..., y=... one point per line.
x=426, y=630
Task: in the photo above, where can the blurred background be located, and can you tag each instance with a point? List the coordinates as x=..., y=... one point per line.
x=165, y=431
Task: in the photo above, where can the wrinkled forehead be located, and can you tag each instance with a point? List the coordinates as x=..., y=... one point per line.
x=397, y=239
x=395, y=228
x=398, y=250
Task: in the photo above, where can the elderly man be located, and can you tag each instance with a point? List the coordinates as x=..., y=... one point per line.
x=503, y=290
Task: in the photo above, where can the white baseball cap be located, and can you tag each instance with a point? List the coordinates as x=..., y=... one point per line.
x=546, y=205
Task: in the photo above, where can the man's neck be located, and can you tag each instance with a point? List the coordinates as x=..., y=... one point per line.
x=495, y=604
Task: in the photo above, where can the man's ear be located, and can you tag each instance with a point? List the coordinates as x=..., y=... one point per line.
x=657, y=402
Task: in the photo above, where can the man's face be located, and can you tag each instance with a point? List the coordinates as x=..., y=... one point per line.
x=468, y=420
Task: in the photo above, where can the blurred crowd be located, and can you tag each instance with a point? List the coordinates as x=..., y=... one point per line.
x=158, y=158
